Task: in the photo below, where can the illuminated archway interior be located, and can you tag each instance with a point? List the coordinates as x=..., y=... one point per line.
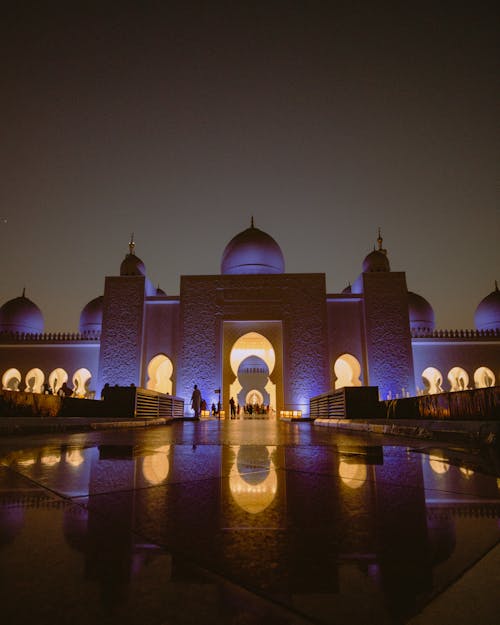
x=484, y=377
x=252, y=361
x=57, y=378
x=81, y=382
x=160, y=369
x=433, y=380
x=34, y=380
x=458, y=379
x=11, y=379
x=347, y=371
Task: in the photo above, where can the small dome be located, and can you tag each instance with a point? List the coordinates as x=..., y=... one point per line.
x=252, y=252
x=132, y=265
x=91, y=316
x=487, y=315
x=21, y=315
x=347, y=289
x=421, y=313
x=376, y=261
x=160, y=292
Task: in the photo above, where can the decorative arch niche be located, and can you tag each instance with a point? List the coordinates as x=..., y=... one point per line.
x=160, y=370
x=347, y=370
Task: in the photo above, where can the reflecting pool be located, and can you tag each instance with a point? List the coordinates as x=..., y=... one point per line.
x=237, y=522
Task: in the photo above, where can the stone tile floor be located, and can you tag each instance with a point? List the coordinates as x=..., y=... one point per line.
x=246, y=522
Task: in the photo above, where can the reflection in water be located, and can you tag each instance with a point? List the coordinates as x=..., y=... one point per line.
x=252, y=480
x=74, y=457
x=438, y=464
x=353, y=474
x=366, y=534
x=50, y=459
x=155, y=467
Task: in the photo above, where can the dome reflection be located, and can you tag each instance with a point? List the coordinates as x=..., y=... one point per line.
x=253, y=480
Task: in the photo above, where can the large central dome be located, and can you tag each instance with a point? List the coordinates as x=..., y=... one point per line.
x=252, y=251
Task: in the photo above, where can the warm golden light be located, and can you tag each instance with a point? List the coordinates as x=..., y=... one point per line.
x=466, y=472
x=74, y=457
x=438, y=464
x=253, y=498
x=50, y=459
x=156, y=466
x=352, y=474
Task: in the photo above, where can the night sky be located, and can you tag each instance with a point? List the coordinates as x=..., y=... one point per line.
x=179, y=121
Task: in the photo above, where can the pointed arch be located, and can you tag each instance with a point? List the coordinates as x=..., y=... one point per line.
x=160, y=370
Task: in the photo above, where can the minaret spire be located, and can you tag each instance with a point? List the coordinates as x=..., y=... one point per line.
x=131, y=244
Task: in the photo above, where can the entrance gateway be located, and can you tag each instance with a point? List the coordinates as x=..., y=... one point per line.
x=253, y=365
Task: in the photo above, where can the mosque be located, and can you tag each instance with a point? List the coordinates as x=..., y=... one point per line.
x=254, y=333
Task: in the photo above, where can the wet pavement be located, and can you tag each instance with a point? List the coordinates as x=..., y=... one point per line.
x=246, y=522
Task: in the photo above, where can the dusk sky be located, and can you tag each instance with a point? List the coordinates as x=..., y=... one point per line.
x=178, y=121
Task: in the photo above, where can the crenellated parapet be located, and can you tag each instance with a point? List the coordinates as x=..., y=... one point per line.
x=49, y=337
x=421, y=333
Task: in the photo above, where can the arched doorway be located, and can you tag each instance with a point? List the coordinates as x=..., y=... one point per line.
x=34, y=380
x=81, y=382
x=484, y=377
x=57, y=378
x=252, y=360
x=160, y=369
x=11, y=380
x=458, y=379
x=347, y=371
x=433, y=380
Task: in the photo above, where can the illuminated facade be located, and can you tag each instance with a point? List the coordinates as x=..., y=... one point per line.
x=256, y=333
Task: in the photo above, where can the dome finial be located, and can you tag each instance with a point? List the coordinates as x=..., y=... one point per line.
x=251, y=223
x=131, y=244
x=496, y=285
x=380, y=240
x=24, y=291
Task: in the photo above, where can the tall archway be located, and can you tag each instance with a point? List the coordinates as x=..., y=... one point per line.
x=247, y=347
x=347, y=371
x=81, y=382
x=458, y=379
x=11, y=379
x=433, y=380
x=34, y=380
x=484, y=377
x=160, y=369
x=57, y=377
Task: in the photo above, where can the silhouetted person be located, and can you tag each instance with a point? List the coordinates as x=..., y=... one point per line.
x=232, y=407
x=196, y=401
x=104, y=391
x=65, y=391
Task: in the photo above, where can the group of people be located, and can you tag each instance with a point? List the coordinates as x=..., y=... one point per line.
x=63, y=391
x=198, y=404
